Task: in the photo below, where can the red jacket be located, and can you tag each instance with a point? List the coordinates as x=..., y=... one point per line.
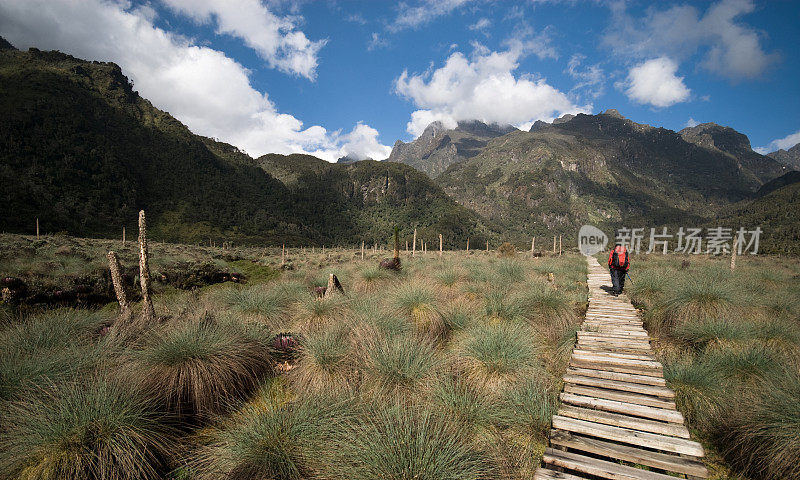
x=622, y=253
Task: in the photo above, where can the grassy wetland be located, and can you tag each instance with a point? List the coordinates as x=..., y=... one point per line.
x=449, y=368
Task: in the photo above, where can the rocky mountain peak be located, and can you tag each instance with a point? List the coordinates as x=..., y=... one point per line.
x=711, y=135
x=613, y=112
x=790, y=157
x=5, y=45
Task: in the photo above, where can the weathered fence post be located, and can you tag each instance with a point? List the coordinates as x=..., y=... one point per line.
x=467, y=245
x=123, y=236
x=414, y=244
x=362, y=249
x=148, y=312
x=554, y=244
x=119, y=287
x=440, y=244
x=733, y=254
x=533, y=245
x=283, y=254
x=559, y=245
x=37, y=228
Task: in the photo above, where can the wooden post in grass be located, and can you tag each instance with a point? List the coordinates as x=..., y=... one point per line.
x=123, y=236
x=554, y=244
x=533, y=244
x=733, y=254
x=440, y=244
x=362, y=249
x=559, y=245
x=414, y=244
x=487, y=246
x=148, y=312
x=467, y=245
x=37, y=228
x=119, y=288
x=283, y=254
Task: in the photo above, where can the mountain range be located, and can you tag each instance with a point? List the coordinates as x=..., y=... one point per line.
x=83, y=152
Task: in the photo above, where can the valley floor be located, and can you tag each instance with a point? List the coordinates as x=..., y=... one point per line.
x=450, y=368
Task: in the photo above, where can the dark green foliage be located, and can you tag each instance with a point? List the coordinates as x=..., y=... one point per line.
x=60, y=165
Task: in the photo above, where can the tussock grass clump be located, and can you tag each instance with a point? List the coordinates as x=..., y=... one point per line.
x=395, y=363
x=697, y=388
x=531, y=405
x=743, y=363
x=47, y=347
x=448, y=277
x=508, y=272
x=267, y=439
x=419, y=304
x=549, y=309
x=693, y=300
x=199, y=367
x=494, y=356
x=455, y=397
x=312, y=312
x=761, y=434
x=87, y=429
x=269, y=303
x=499, y=306
x=372, y=278
x=403, y=442
x=324, y=361
x=704, y=332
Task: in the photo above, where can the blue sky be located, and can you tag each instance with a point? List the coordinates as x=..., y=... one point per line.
x=349, y=77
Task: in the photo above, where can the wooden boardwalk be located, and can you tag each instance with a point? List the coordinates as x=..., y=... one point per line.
x=617, y=417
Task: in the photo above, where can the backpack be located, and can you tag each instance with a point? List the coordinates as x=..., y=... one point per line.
x=615, y=258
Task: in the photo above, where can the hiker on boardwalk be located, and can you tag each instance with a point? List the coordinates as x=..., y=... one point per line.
x=618, y=264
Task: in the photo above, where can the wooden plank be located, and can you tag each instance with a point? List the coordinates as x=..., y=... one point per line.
x=625, y=421
x=547, y=474
x=670, y=463
x=609, y=367
x=603, y=360
x=624, y=356
x=629, y=436
x=626, y=397
x=625, y=408
x=609, y=336
x=595, y=348
x=597, y=467
x=599, y=333
x=615, y=341
x=624, y=377
x=640, y=346
x=620, y=385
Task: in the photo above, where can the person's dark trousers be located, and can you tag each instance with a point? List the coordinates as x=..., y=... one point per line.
x=617, y=280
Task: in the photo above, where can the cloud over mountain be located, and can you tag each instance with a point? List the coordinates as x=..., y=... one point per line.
x=654, y=83
x=202, y=87
x=483, y=87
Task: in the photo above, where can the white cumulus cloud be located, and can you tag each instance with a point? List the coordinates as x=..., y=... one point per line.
x=654, y=82
x=729, y=47
x=276, y=39
x=483, y=87
x=692, y=122
x=203, y=88
x=784, y=143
